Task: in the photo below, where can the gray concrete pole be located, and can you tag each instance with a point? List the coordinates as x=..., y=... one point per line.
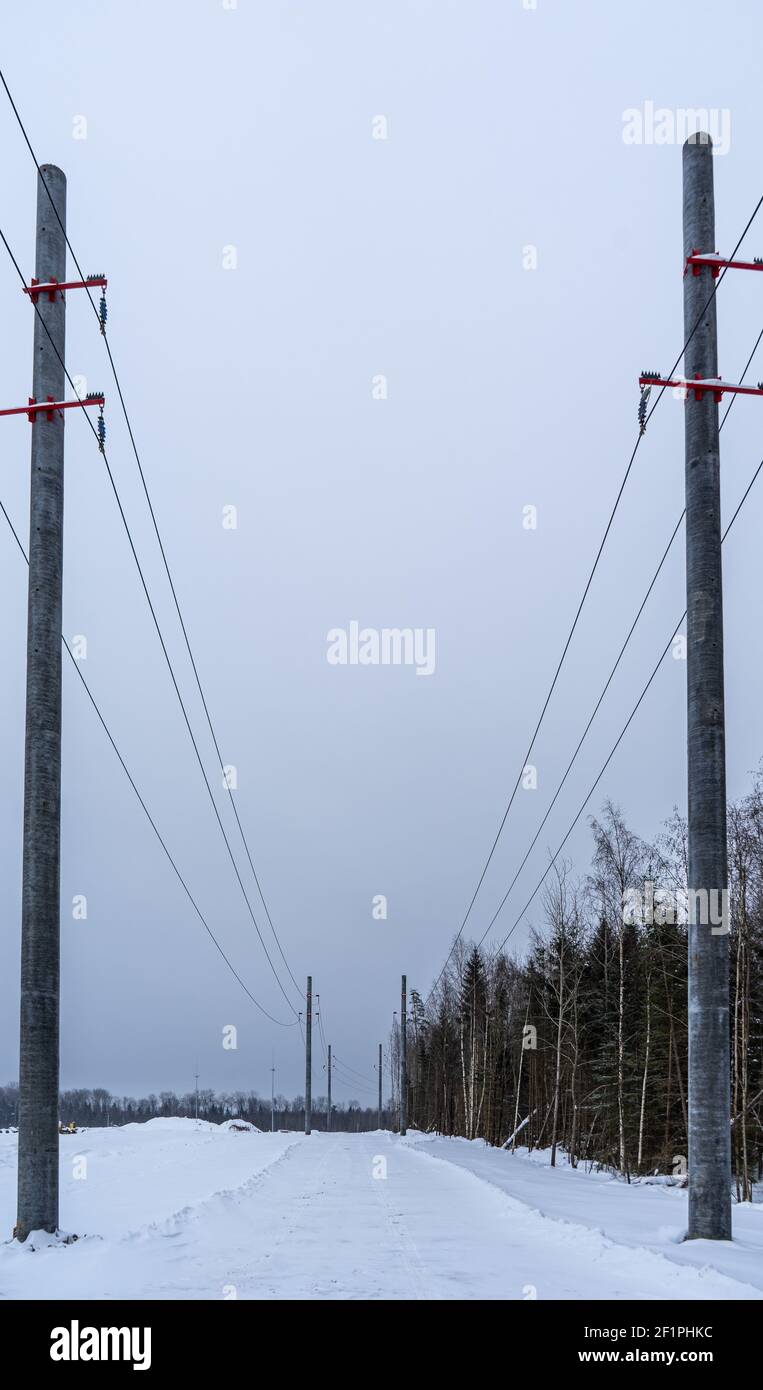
x=309, y=1057
x=328, y=1116
x=40, y=894
x=709, y=1102
x=403, y=1061
x=380, y=1085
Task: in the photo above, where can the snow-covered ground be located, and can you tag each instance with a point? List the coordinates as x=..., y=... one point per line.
x=172, y=1209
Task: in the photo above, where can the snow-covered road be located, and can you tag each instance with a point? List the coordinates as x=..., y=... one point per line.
x=169, y=1210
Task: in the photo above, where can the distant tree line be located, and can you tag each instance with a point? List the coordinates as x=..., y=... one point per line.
x=582, y=1045
x=98, y=1107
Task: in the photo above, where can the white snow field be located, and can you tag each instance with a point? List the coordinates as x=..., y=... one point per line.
x=179, y=1210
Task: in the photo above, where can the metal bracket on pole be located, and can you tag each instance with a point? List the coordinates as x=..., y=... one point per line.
x=697, y=386
x=55, y=287
x=50, y=406
x=718, y=263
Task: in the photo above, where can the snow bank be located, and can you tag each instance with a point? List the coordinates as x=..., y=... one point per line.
x=648, y=1218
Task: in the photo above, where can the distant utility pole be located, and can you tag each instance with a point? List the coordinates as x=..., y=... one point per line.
x=394, y=1071
x=40, y=894
x=196, y=1080
x=709, y=1121
x=403, y=1066
x=328, y=1117
x=380, y=1085
x=273, y=1095
x=309, y=1057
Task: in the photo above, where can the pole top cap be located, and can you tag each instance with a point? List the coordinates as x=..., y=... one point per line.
x=699, y=137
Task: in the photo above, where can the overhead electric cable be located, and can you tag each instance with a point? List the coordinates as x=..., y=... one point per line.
x=608, y=681
x=622, y=733
x=152, y=610
x=155, y=523
x=581, y=604
x=144, y=806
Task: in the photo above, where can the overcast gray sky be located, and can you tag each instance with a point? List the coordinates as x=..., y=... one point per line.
x=211, y=127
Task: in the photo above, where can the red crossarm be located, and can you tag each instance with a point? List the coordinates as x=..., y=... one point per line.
x=717, y=263
x=51, y=406
x=698, y=386
x=54, y=287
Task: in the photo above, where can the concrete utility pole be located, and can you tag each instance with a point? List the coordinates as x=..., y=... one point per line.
x=328, y=1116
x=273, y=1096
x=309, y=1057
x=40, y=894
x=709, y=1130
x=394, y=1070
x=380, y=1085
x=403, y=1066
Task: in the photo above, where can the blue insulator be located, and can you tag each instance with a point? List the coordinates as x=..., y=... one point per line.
x=103, y=312
x=101, y=431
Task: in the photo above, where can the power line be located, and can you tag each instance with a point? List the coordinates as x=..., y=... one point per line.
x=610, y=677
x=321, y=1036
x=167, y=658
x=581, y=604
x=340, y=1067
x=148, y=815
x=352, y=1070
x=324, y=1044
x=624, y=730
x=155, y=523
x=351, y=1084
x=361, y=1076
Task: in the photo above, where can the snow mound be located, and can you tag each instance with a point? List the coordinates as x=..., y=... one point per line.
x=45, y=1240
x=171, y=1122
x=181, y=1124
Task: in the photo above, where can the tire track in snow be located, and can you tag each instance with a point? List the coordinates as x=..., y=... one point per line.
x=408, y=1249
x=265, y=1258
